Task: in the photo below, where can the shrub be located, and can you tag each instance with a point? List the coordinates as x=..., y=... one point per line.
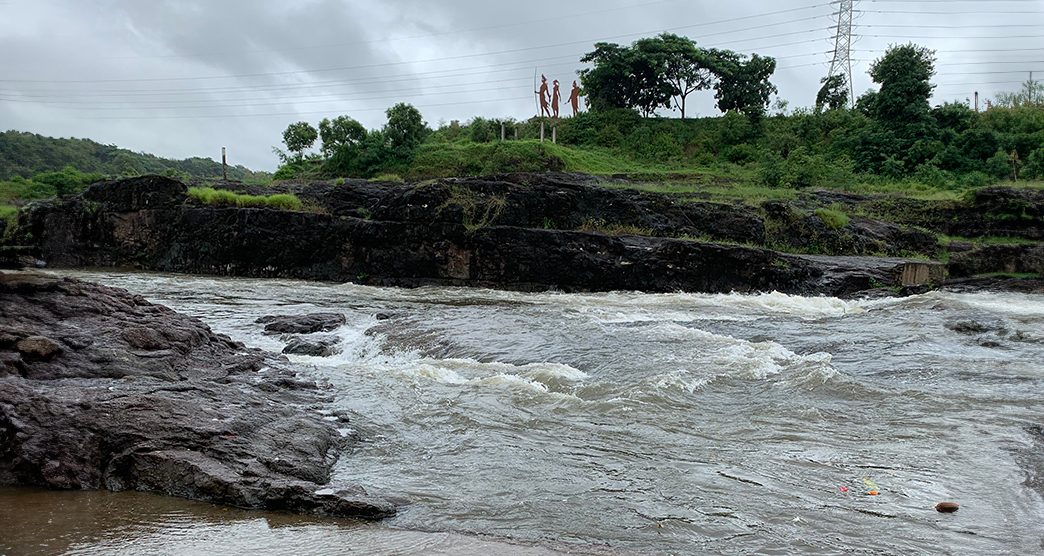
x=1034, y=167
x=224, y=197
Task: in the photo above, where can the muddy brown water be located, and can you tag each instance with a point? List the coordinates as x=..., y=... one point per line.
x=624, y=422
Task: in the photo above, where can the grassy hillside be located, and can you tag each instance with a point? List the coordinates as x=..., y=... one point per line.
x=26, y=154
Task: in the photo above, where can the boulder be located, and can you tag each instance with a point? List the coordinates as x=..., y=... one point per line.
x=302, y=324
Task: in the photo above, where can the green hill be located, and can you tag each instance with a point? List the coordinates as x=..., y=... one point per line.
x=26, y=154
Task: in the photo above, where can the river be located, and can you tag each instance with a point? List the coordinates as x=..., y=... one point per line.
x=537, y=423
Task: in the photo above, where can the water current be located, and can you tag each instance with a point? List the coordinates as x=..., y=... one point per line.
x=627, y=423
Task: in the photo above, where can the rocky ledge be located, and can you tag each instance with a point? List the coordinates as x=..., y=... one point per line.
x=521, y=232
x=100, y=389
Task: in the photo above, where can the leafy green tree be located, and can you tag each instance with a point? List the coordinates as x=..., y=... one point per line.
x=298, y=137
x=685, y=68
x=833, y=94
x=405, y=129
x=607, y=83
x=338, y=133
x=743, y=83
x=904, y=73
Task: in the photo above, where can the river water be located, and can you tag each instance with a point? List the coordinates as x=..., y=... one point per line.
x=627, y=423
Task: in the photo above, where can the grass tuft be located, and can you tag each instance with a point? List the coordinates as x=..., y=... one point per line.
x=223, y=197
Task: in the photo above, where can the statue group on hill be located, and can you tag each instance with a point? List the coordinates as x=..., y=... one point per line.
x=549, y=100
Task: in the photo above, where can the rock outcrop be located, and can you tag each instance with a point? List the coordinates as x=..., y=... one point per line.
x=100, y=389
x=526, y=232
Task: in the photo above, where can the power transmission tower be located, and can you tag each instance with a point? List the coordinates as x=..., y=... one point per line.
x=842, y=62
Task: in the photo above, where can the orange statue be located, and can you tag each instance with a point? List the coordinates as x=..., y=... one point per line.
x=574, y=98
x=556, y=97
x=543, y=96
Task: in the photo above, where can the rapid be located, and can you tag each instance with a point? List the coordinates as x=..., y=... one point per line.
x=627, y=423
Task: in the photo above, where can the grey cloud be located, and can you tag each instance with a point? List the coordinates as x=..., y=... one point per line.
x=454, y=59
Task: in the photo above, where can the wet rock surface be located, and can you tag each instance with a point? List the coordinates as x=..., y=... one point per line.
x=100, y=389
x=315, y=347
x=301, y=324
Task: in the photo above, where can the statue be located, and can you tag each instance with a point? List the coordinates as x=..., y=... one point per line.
x=543, y=96
x=556, y=97
x=574, y=98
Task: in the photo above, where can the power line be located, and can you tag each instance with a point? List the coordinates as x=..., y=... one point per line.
x=445, y=58
x=297, y=113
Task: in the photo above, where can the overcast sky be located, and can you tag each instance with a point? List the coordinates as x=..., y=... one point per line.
x=181, y=78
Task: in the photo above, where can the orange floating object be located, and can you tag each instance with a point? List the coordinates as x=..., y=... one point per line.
x=872, y=493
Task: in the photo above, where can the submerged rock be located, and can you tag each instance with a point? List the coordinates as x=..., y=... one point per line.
x=315, y=347
x=302, y=324
x=100, y=389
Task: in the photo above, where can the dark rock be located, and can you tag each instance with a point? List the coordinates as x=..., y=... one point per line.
x=947, y=507
x=302, y=324
x=1010, y=259
x=38, y=348
x=157, y=402
x=969, y=327
x=144, y=338
x=315, y=347
x=995, y=283
x=133, y=194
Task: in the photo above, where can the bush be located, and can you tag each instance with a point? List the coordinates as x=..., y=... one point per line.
x=741, y=154
x=976, y=179
x=804, y=169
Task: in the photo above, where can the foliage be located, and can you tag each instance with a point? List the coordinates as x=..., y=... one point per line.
x=299, y=137
x=224, y=197
x=45, y=185
x=655, y=72
x=1031, y=94
x=339, y=133
x=405, y=129
x=904, y=73
x=743, y=83
x=833, y=95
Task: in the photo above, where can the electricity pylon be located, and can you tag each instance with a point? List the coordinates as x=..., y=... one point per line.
x=842, y=62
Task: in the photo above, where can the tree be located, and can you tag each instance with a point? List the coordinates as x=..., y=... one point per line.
x=904, y=73
x=298, y=137
x=405, y=129
x=684, y=68
x=340, y=132
x=833, y=94
x=608, y=82
x=1031, y=94
x=743, y=84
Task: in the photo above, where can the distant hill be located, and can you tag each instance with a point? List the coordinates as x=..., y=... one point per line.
x=25, y=154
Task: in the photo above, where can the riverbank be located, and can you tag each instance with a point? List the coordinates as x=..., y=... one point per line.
x=538, y=232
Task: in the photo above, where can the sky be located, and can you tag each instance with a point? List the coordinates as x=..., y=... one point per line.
x=181, y=78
